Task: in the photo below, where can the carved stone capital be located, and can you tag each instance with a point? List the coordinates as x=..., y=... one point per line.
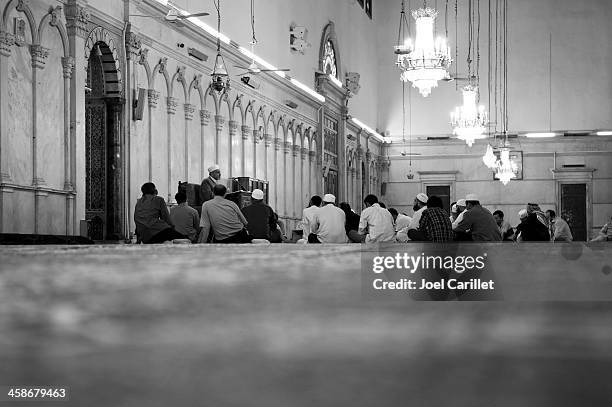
x=77, y=18
x=153, y=97
x=7, y=40
x=180, y=74
x=171, y=104
x=189, y=110
x=368, y=156
x=233, y=127
x=132, y=45
x=296, y=150
x=246, y=132
x=204, y=117
x=312, y=155
x=277, y=143
x=162, y=64
x=304, y=153
x=219, y=122
x=257, y=136
x=67, y=66
x=268, y=139
x=287, y=147
x=39, y=56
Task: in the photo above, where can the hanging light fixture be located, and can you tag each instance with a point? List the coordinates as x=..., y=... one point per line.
x=470, y=121
x=490, y=159
x=219, y=76
x=427, y=61
x=506, y=168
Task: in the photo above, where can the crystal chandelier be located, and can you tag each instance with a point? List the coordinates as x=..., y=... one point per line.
x=425, y=62
x=469, y=121
x=489, y=159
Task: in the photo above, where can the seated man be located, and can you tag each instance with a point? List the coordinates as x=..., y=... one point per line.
x=224, y=217
x=260, y=217
x=352, y=223
x=420, y=204
x=479, y=221
x=560, y=230
x=308, y=215
x=185, y=219
x=605, y=234
x=400, y=223
x=435, y=225
x=153, y=224
x=532, y=227
x=328, y=223
x=376, y=223
x=504, y=226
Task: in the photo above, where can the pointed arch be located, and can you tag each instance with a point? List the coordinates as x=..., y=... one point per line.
x=53, y=20
x=143, y=59
x=160, y=68
x=179, y=76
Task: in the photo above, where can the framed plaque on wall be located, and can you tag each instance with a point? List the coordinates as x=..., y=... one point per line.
x=516, y=157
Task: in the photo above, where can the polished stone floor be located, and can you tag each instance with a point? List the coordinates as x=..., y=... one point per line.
x=281, y=325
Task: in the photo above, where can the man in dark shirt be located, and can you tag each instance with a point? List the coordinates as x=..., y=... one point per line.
x=479, y=221
x=351, y=224
x=260, y=217
x=153, y=224
x=435, y=225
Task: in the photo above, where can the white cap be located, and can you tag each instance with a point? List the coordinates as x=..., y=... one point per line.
x=257, y=194
x=522, y=213
x=212, y=168
x=422, y=197
x=454, y=208
x=329, y=198
x=471, y=197
x=461, y=202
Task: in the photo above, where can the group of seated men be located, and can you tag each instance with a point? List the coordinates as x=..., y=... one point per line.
x=220, y=221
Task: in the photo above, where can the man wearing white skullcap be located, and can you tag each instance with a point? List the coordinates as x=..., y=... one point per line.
x=206, y=188
x=478, y=221
x=328, y=223
x=420, y=204
x=260, y=217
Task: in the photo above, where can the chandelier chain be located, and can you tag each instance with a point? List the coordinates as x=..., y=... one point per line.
x=217, y=4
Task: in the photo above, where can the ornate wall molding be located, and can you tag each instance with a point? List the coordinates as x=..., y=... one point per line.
x=77, y=18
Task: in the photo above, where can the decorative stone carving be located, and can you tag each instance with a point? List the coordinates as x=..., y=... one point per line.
x=304, y=153
x=277, y=143
x=204, y=117
x=55, y=16
x=171, y=104
x=189, y=110
x=77, y=18
x=7, y=40
x=153, y=97
x=180, y=74
x=233, y=127
x=257, y=136
x=246, y=131
x=143, y=56
x=287, y=147
x=19, y=26
x=268, y=139
x=352, y=172
x=162, y=64
x=296, y=150
x=67, y=66
x=312, y=155
x=39, y=56
x=132, y=45
x=197, y=81
x=219, y=122
x=368, y=156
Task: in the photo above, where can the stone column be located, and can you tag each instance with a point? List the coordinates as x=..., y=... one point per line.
x=303, y=164
x=204, y=121
x=359, y=175
x=367, y=175
x=171, y=105
x=233, y=129
x=311, y=173
x=294, y=178
x=77, y=18
x=277, y=147
x=132, y=51
x=67, y=66
x=153, y=100
x=267, y=142
x=256, y=140
x=7, y=40
x=189, y=110
x=246, y=132
x=219, y=123
x=39, y=57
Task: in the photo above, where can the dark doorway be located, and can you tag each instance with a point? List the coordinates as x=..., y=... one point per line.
x=441, y=191
x=574, y=209
x=103, y=110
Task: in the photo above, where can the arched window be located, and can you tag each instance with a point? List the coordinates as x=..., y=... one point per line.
x=329, y=56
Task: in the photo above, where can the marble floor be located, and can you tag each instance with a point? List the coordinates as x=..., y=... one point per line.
x=280, y=325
